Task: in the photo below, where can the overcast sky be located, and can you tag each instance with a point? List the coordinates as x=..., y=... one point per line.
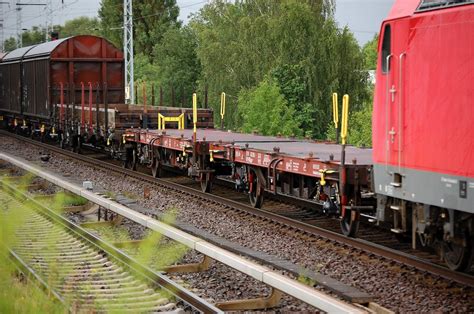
x=362, y=16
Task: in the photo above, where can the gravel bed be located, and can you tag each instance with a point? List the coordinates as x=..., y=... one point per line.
x=397, y=288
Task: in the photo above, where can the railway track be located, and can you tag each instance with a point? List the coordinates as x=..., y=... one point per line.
x=307, y=227
x=82, y=271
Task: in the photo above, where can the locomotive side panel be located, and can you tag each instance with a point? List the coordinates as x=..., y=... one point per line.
x=432, y=83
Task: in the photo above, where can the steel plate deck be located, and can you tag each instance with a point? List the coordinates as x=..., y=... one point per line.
x=292, y=147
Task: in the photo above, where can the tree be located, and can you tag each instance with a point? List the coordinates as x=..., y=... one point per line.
x=111, y=21
x=265, y=110
x=370, y=53
x=30, y=37
x=10, y=44
x=241, y=43
x=80, y=26
x=151, y=20
x=177, y=62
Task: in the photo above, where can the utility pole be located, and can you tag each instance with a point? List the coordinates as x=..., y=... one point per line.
x=49, y=21
x=2, y=25
x=18, y=20
x=128, y=51
x=19, y=37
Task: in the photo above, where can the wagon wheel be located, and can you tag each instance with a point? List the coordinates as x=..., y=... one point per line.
x=206, y=182
x=130, y=161
x=256, y=189
x=350, y=223
x=156, y=168
x=62, y=141
x=458, y=256
x=134, y=159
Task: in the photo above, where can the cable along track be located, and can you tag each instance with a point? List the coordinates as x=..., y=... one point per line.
x=83, y=271
x=296, y=225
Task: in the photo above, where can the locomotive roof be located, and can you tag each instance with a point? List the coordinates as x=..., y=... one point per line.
x=404, y=8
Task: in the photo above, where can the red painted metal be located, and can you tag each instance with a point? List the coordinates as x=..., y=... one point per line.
x=431, y=80
x=144, y=98
x=70, y=60
x=299, y=157
x=403, y=8
x=90, y=107
x=83, y=101
x=61, y=101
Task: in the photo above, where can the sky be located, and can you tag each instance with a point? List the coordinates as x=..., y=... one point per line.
x=363, y=17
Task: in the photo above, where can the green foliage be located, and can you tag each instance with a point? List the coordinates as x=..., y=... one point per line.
x=295, y=42
x=177, y=63
x=30, y=37
x=370, y=53
x=290, y=79
x=151, y=20
x=265, y=110
x=80, y=26
x=18, y=295
x=111, y=21
x=359, y=131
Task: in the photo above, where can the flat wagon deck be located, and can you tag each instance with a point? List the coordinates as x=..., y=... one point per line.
x=334, y=176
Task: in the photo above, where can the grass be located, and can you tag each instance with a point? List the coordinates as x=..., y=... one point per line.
x=18, y=295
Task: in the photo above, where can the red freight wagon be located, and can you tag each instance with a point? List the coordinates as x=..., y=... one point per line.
x=72, y=90
x=423, y=114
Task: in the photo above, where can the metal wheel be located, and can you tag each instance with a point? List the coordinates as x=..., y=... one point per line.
x=350, y=223
x=458, y=256
x=156, y=168
x=206, y=182
x=256, y=189
x=128, y=162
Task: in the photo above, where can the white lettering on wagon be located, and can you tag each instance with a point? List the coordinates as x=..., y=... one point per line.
x=471, y=185
x=266, y=160
x=316, y=169
x=250, y=156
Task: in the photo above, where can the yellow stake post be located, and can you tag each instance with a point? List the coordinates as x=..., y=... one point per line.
x=335, y=115
x=222, y=109
x=195, y=118
x=345, y=118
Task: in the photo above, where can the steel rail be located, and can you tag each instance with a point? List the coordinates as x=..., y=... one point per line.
x=376, y=249
x=139, y=270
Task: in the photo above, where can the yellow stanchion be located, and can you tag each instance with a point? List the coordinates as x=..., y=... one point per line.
x=195, y=117
x=345, y=118
x=222, y=109
x=335, y=110
x=162, y=121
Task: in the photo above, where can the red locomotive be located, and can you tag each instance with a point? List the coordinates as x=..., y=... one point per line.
x=422, y=152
